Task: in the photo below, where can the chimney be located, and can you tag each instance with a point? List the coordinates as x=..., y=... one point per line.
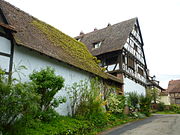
x=95, y=29
x=81, y=33
x=108, y=25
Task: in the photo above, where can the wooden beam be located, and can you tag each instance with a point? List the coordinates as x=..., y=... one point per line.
x=9, y=27
x=129, y=76
x=132, y=56
x=11, y=58
x=5, y=54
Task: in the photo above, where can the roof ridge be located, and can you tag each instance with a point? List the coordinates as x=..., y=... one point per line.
x=106, y=27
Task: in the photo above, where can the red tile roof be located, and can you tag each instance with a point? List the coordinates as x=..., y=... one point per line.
x=174, y=86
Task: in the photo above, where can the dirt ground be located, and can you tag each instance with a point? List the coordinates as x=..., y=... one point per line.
x=155, y=125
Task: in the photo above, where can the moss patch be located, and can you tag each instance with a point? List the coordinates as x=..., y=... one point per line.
x=78, y=52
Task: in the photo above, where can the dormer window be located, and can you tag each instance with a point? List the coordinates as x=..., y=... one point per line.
x=97, y=45
x=78, y=39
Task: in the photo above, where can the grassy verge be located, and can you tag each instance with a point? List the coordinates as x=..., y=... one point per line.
x=165, y=112
x=113, y=124
x=64, y=125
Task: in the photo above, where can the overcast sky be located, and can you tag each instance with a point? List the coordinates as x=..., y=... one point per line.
x=159, y=22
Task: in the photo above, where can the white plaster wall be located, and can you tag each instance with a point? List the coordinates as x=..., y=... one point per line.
x=34, y=61
x=131, y=86
x=5, y=47
x=4, y=63
x=165, y=100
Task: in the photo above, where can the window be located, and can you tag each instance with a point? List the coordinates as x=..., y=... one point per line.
x=135, y=47
x=97, y=45
x=131, y=63
x=140, y=71
x=177, y=100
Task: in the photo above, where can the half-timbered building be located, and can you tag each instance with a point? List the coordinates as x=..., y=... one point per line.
x=27, y=41
x=120, y=49
x=174, y=91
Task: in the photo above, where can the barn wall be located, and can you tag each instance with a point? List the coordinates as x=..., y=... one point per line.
x=34, y=61
x=165, y=100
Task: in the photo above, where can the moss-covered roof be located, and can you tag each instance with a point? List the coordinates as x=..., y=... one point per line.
x=77, y=53
x=41, y=37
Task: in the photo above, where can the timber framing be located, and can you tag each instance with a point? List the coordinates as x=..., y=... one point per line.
x=127, y=53
x=124, y=48
x=8, y=29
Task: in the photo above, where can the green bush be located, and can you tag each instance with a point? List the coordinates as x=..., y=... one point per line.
x=75, y=93
x=133, y=100
x=98, y=119
x=47, y=85
x=175, y=108
x=145, y=104
x=46, y=116
x=116, y=103
x=161, y=106
x=16, y=100
x=88, y=100
x=62, y=125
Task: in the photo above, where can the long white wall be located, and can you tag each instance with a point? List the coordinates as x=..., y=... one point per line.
x=132, y=86
x=34, y=61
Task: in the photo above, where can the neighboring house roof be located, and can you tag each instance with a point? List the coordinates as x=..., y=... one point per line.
x=174, y=86
x=155, y=83
x=113, y=37
x=39, y=36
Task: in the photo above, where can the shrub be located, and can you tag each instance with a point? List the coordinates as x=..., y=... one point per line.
x=90, y=99
x=62, y=125
x=46, y=116
x=75, y=93
x=47, y=85
x=133, y=100
x=161, y=106
x=16, y=100
x=116, y=103
x=87, y=102
x=145, y=104
x=175, y=108
x=98, y=119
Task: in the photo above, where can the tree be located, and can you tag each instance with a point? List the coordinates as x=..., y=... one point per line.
x=154, y=93
x=16, y=100
x=47, y=85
